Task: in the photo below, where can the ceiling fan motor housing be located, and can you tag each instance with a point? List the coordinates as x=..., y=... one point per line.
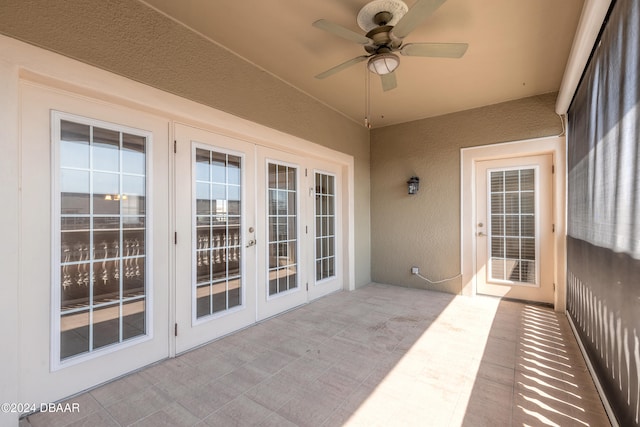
x=381, y=37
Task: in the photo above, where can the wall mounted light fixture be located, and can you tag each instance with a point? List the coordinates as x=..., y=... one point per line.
x=413, y=184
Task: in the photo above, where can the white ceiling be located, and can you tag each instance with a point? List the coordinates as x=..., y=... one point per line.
x=517, y=48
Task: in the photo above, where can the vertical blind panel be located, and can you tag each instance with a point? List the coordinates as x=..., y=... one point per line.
x=604, y=201
x=512, y=232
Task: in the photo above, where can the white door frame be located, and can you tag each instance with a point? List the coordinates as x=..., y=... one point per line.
x=542, y=288
x=43, y=377
x=333, y=283
x=190, y=331
x=555, y=145
x=271, y=305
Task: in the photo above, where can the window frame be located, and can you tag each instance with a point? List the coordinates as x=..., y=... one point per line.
x=195, y=320
x=537, y=237
x=56, y=362
x=334, y=218
x=298, y=169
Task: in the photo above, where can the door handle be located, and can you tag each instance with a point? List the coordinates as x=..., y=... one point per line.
x=251, y=243
x=482, y=234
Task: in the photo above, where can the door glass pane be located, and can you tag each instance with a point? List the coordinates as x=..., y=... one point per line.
x=106, y=150
x=133, y=154
x=74, y=145
x=512, y=237
x=106, y=325
x=218, y=241
x=325, y=226
x=283, y=231
x=103, y=241
x=74, y=191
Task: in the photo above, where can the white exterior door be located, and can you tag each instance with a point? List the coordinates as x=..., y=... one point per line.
x=325, y=229
x=256, y=232
x=95, y=260
x=514, y=229
x=101, y=284
x=215, y=223
x=282, y=240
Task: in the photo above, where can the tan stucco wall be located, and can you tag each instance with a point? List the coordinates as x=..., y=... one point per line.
x=128, y=38
x=424, y=230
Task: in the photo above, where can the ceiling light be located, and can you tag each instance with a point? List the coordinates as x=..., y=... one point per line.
x=383, y=63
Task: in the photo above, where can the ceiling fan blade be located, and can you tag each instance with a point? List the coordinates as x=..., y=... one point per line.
x=338, y=68
x=388, y=81
x=341, y=31
x=435, y=50
x=416, y=14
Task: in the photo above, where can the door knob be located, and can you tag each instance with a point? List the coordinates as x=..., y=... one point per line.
x=251, y=243
x=480, y=233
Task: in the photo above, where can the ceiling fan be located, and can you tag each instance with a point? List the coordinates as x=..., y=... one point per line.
x=387, y=23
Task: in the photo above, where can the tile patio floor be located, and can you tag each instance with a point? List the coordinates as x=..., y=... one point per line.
x=378, y=356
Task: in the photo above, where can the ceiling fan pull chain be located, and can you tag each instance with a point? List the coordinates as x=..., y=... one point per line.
x=367, y=99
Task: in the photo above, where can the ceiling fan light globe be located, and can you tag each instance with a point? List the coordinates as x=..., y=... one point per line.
x=383, y=63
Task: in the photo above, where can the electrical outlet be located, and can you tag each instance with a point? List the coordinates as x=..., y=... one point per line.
x=415, y=270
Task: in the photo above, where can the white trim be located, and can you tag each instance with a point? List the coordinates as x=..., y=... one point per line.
x=54, y=357
x=593, y=15
x=554, y=145
x=349, y=242
x=603, y=396
x=173, y=250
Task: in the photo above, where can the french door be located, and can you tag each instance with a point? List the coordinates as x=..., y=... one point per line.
x=215, y=231
x=325, y=254
x=300, y=248
x=255, y=232
x=514, y=230
x=95, y=270
x=282, y=206
x=258, y=233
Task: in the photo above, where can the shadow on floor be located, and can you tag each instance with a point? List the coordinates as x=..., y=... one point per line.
x=532, y=373
x=378, y=356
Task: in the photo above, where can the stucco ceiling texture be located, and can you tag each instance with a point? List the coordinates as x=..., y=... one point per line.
x=517, y=48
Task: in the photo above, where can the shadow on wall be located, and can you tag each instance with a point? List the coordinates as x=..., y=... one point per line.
x=530, y=374
x=602, y=300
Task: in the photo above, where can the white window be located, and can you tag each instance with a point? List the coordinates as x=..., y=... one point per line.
x=283, y=234
x=218, y=237
x=325, y=215
x=101, y=235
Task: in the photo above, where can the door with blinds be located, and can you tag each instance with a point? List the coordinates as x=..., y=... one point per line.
x=514, y=228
